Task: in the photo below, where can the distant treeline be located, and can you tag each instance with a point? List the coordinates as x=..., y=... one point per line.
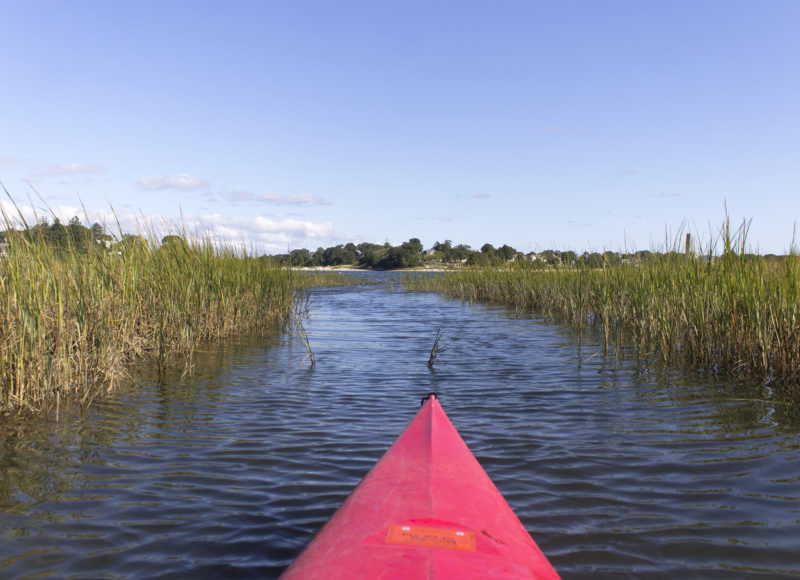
x=411, y=254
x=73, y=235
x=77, y=237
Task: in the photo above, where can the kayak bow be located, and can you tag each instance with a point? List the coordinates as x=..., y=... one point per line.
x=427, y=509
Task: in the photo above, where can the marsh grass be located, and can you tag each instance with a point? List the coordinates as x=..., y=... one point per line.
x=720, y=310
x=302, y=307
x=73, y=320
x=435, y=349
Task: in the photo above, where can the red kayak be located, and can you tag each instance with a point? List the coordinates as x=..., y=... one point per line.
x=427, y=509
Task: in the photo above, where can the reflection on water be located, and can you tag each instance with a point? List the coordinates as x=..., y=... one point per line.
x=615, y=470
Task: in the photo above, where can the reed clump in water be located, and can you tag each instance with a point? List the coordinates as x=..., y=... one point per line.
x=728, y=312
x=73, y=318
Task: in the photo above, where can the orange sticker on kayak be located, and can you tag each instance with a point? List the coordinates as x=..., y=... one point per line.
x=431, y=537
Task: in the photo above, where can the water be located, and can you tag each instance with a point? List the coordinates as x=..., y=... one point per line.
x=616, y=472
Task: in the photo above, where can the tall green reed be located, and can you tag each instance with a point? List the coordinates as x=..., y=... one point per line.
x=716, y=308
x=73, y=319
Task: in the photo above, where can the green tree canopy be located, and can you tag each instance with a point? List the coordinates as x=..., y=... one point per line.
x=444, y=251
x=173, y=242
x=462, y=252
x=479, y=259
x=506, y=252
x=338, y=256
x=301, y=258
x=406, y=255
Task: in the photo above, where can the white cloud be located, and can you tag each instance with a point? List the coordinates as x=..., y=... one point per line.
x=305, y=228
x=6, y=161
x=256, y=234
x=182, y=182
x=74, y=169
x=19, y=215
x=439, y=218
x=480, y=195
x=303, y=199
x=12, y=213
x=263, y=233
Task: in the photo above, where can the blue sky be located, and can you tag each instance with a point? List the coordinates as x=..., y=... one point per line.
x=582, y=125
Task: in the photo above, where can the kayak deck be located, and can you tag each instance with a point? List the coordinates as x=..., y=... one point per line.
x=427, y=509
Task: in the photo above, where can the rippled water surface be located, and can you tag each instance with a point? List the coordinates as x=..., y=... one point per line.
x=615, y=472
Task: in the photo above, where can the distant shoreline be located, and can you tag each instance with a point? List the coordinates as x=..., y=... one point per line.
x=437, y=268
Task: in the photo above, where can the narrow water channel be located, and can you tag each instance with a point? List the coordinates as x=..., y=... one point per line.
x=616, y=472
